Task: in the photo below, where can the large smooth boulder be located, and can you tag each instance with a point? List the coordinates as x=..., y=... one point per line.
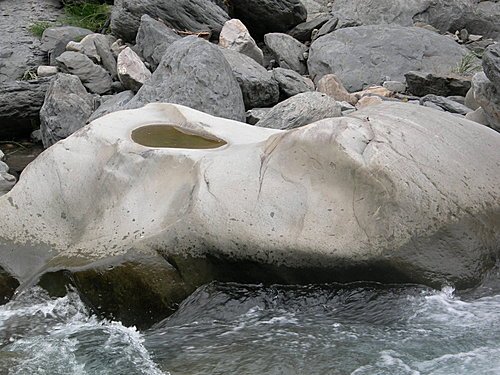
x=394, y=193
x=257, y=85
x=369, y=55
x=266, y=16
x=300, y=110
x=194, y=73
x=66, y=109
x=183, y=15
x=153, y=39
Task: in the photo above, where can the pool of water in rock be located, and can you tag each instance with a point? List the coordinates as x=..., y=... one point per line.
x=169, y=136
x=224, y=328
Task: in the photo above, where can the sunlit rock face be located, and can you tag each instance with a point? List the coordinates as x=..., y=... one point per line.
x=394, y=192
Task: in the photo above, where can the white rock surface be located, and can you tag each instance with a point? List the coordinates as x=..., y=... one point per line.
x=131, y=70
x=234, y=35
x=403, y=190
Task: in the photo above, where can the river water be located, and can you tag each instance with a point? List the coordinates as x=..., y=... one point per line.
x=358, y=329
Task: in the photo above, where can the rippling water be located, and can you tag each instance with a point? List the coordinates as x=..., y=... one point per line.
x=358, y=329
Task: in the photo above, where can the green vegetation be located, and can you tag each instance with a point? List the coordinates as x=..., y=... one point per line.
x=29, y=75
x=468, y=65
x=90, y=15
x=38, y=28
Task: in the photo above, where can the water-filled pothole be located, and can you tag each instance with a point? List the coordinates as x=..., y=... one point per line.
x=169, y=136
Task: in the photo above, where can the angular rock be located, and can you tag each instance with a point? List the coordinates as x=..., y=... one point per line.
x=387, y=53
x=66, y=109
x=303, y=31
x=254, y=115
x=470, y=101
x=184, y=15
x=478, y=116
x=55, y=39
x=291, y=83
x=20, y=103
x=367, y=101
x=300, y=110
x=235, y=36
x=327, y=28
x=94, y=77
x=288, y=52
x=372, y=196
x=491, y=64
x=108, y=60
x=131, y=70
x=264, y=16
x=153, y=39
x=395, y=86
x=112, y=104
x=332, y=86
x=196, y=74
x=423, y=83
x=484, y=19
x=87, y=46
x=7, y=181
x=488, y=97
x=46, y=71
x=446, y=104
x=317, y=8
x=257, y=85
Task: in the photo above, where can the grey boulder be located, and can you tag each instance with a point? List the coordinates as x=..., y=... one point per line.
x=257, y=85
x=20, y=103
x=386, y=53
x=491, y=64
x=423, y=83
x=196, y=74
x=288, y=51
x=94, y=77
x=131, y=70
x=112, y=104
x=303, y=31
x=291, y=83
x=66, y=109
x=300, y=110
x=55, y=39
x=265, y=16
x=235, y=36
x=153, y=39
x=445, y=104
x=488, y=97
x=7, y=181
x=185, y=15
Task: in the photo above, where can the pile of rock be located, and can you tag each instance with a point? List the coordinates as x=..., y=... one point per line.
x=361, y=154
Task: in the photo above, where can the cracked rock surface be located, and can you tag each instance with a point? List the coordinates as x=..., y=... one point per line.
x=19, y=49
